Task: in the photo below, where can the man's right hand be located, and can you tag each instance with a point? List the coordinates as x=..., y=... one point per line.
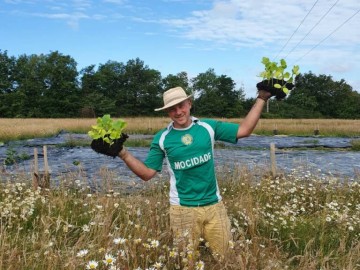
x=113, y=150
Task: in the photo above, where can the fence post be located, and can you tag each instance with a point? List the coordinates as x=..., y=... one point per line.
x=46, y=169
x=316, y=130
x=272, y=159
x=41, y=179
x=35, y=176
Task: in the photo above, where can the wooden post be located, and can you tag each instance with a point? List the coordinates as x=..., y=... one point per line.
x=275, y=130
x=46, y=182
x=316, y=130
x=272, y=159
x=35, y=178
x=41, y=179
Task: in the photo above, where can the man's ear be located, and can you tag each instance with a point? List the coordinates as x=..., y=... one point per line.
x=190, y=103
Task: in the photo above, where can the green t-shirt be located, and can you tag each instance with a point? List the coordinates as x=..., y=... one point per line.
x=189, y=155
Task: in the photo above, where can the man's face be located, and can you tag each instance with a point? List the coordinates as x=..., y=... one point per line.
x=180, y=114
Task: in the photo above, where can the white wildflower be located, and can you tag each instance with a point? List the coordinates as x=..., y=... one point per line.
x=109, y=259
x=82, y=253
x=92, y=265
x=119, y=240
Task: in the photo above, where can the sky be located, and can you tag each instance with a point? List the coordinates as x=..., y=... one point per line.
x=171, y=36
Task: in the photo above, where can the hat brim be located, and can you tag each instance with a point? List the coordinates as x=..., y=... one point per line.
x=170, y=104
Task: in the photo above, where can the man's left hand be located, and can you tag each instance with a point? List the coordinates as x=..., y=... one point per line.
x=268, y=86
x=264, y=95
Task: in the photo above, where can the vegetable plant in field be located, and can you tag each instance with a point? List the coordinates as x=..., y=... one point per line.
x=276, y=74
x=107, y=129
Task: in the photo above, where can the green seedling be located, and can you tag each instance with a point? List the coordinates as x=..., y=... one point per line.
x=274, y=70
x=107, y=129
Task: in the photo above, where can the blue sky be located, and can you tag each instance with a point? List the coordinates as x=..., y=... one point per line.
x=230, y=36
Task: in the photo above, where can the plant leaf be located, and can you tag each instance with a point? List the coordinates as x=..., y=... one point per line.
x=295, y=70
x=265, y=60
x=107, y=129
x=287, y=75
x=283, y=63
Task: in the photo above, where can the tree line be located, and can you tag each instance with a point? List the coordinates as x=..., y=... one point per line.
x=50, y=86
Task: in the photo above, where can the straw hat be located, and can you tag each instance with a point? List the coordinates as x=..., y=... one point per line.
x=173, y=96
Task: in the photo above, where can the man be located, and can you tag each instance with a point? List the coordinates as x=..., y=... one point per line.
x=187, y=145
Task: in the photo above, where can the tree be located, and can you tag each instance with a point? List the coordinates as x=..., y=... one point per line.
x=322, y=96
x=302, y=101
x=216, y=96
x=94, y=100
x=50, y=86
x=45, y=86
x=61, y=96
x=180, y=79
x=29, y=90
x=142, y=88
x=7, y=84
x=7, y=66
x=134, y=87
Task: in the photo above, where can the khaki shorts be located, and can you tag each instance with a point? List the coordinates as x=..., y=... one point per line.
x=209, y=222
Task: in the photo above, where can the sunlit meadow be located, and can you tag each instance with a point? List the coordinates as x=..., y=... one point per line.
x=301, y=220
x=20, y=128
x=298, y=220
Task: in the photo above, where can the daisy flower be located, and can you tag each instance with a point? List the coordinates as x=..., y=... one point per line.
x=109, y=259
x=118, y=241
x=82, y=253
x=86, y=228
x=154, y=243
x=92, y=265
x=200, y=265
x=158, y=265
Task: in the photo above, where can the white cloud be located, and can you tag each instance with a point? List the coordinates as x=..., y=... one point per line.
x=261, y=27
x=267, y=25
x=242, y=23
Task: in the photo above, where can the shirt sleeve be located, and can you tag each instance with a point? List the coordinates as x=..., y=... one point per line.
x=155, y=157
x=224, y=131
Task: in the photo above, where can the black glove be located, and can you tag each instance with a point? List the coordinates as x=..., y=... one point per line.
x=113, y=150
x=268, y=85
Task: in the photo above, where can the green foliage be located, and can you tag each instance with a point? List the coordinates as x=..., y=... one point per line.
x=107, y=129
x=42, y=86
x=355, y=145
x=297, y=221
x=76, y=162
x=12, y=156
x=71, y=143
x=321, y=96
x=139, y=142
x=180, y=79
x=216, y=96
x=274, y=70
x=49, y=85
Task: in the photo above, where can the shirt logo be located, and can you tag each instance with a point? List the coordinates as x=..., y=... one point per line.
x=187, y=139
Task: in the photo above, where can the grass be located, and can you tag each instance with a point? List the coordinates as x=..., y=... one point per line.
x=294, y=221
x=355, y=145
x=307, y=127
x=19, y=128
